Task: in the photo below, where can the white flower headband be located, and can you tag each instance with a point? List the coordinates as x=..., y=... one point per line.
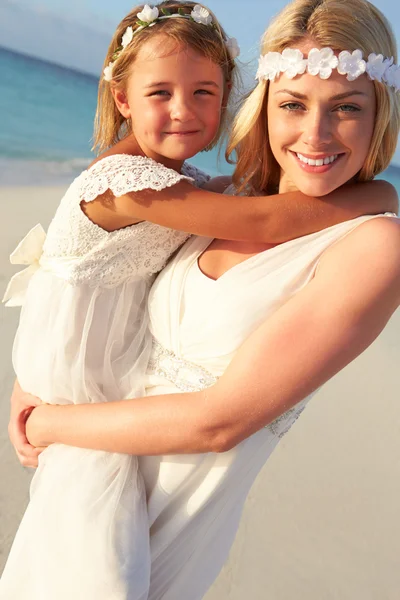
x=150, y=16
x=322, y=62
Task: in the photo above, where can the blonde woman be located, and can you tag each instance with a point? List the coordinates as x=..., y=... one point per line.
x=244, y=333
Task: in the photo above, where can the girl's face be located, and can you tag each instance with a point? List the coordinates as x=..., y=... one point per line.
x=174, y=99
x=320, y=130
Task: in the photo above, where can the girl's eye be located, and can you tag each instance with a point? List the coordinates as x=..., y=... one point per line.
x=203, y=92
x=160, y=93
x=291, y=106
x=348, y=108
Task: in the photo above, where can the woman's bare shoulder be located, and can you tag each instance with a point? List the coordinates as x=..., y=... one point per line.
x=368, y=256
x=378, y=237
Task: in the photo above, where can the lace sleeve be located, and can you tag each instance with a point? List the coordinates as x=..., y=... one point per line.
x=123, y=173
x=200, y=177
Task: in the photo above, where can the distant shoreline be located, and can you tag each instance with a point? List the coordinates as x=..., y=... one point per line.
x=50, y=63
x=15, y=172
x=27, y=172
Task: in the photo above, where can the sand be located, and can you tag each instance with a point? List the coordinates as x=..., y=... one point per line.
x=321, y=522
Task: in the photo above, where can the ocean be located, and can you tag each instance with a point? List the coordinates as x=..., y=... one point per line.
x=47, y=120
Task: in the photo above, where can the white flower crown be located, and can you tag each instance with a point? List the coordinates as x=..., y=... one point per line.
x=150, y=16
x=322, y=62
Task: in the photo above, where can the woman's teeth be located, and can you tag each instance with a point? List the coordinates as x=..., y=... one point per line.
x=319, y=162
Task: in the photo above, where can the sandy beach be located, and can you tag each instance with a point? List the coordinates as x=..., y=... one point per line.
x=321, y=522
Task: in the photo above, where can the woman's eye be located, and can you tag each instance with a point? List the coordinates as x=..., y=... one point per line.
x=348, y=108
x=291, y=106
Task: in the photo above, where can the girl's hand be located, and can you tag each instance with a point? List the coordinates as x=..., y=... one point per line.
x=22, y=405
x=35, y=425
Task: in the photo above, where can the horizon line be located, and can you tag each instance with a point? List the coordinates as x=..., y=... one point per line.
x=49, y=62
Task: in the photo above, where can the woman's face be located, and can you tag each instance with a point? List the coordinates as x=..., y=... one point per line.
x=312, y=120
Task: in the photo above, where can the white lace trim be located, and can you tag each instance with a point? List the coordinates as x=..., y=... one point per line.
x=123, y=173
x=191, y=377
x=199, y=177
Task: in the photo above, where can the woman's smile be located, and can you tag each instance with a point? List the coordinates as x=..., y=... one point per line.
x=318, y=163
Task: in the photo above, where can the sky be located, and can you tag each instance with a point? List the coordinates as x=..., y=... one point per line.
x=105, y=14
x=244, y=20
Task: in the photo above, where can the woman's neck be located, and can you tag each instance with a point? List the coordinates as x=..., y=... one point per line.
x=286, y=185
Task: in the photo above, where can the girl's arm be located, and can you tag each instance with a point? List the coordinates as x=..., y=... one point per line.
x=273, y=219
x=313, y=336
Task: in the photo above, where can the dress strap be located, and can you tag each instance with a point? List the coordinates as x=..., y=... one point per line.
x=200, y=177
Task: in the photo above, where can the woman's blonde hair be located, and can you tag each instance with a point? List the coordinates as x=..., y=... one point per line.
x=209, y=41
x=340, y=25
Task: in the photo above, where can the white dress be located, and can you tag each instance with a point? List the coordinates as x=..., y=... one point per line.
x=195, y=501
x=83, y=337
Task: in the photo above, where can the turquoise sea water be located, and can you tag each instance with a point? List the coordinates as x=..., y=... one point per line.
x=47, y=116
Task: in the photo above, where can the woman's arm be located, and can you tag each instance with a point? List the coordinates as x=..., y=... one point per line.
x=272, y=219
x=353, y=294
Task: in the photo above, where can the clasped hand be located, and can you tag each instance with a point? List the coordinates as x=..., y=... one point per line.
x=22, y=405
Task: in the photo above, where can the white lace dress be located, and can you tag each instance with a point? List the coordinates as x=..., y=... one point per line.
x=83, y=337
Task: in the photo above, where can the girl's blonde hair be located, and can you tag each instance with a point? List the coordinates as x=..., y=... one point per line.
x=209, y=41
x=340, y=25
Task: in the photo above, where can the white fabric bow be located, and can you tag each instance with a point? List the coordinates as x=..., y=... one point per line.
x=28, y=252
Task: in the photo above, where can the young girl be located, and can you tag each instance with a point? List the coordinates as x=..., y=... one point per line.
x=83, y=335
